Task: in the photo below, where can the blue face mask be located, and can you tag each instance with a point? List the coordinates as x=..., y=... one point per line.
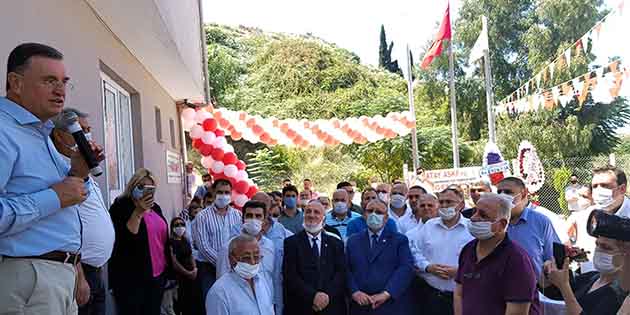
x=137, y=193
x=290, y=202
x=375, y=221
x=222, y=201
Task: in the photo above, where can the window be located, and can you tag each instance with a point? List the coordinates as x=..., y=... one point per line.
x=158, y=125
x=171, y=125
x=119, y=155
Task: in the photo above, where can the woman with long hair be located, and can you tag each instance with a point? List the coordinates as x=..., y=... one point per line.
x=137, y=269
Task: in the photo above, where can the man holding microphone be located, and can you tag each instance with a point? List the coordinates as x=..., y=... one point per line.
x=40, y=228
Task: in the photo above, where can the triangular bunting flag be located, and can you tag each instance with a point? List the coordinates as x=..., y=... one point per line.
x=560, y=62
x=584, y=90
x=578, y=48
x=614, y=91
x=555, y=93
x=601, y=92
x=547, y=101
x=552, y=69
x=614, y=66
x=544, y=74
x=599, y=73
x=585, y=42
x=598, y=29
x=527, y=88
x=567, y=56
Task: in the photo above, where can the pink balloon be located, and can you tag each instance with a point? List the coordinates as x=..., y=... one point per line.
x=196, y=132
x=208, y=137
x=201, y=116
x=207, y=161
x=241, y=175
x=240, y=200
x=219, y=142
x=188, y=124
x=218, y=167
x=188, y=114
x=230, y=170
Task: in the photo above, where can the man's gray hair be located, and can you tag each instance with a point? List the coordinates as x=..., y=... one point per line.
x=239, y=240
x=60, y=123
x=378, y=200
x=505, y=203
x=315, y=202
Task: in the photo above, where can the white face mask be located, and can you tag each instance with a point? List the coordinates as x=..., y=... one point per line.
x=602, y=197
x=88, y=136
x=340, y=207
x=252, y=226
x=447, y=213
x=375, y=221
x=481, y=230
x=222, y=201
x=313, y=228
x=398, y=201
x=179, y=231
x=603, y=262
x=246, y=271
x=384, y=197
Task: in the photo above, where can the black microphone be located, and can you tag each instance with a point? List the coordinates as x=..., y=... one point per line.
x=72, y=126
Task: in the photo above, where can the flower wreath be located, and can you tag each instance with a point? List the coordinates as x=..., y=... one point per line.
x=530, y=167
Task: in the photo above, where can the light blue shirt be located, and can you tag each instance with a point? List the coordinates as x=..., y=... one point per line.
x=340, y=225
x=277, y=233
x=31, y=219
x=232, y=295
x=534, y=233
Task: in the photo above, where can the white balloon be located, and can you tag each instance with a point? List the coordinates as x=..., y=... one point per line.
x=218, y=167
x=219, y=142
x=230, y=170
x=196, y=132
x=188, y=124
x=208, y=137
x=188, y=114
x=228, y=148
x=240, y=200
x=241, y=175
x=207, y=161
x=201, y=116
x=250, y=182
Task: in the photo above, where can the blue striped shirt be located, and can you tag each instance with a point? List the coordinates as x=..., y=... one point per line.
x=32, y=221
x=211, y=230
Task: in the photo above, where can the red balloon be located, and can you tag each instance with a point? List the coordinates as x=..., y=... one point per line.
x=197, y=143
x=242, y=187
x=217, y=154
x=205, y=150
x=251, y=191
x=210, y=124
x=240, y=165
x=232, y=181
x=219, y=133
x=230, y=158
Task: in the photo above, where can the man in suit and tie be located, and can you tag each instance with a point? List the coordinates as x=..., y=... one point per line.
x=380, y=267
x=314, y=268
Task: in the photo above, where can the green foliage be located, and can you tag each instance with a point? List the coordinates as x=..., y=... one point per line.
x=268, y=168
x=560, y=177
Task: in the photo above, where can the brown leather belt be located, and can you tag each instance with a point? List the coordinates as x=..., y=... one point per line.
x=58, y=256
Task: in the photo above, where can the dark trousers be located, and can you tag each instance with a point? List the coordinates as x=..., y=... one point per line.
x=96, y=304
x=189, y=301
x=439, y=302
x=207, y=275
x=140, y=297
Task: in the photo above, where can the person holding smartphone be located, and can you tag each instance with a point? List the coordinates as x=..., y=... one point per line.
x=137, y=269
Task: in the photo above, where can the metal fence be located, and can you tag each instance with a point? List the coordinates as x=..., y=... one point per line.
x=558, y=173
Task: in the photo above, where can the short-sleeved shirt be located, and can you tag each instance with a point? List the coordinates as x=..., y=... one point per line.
x=504, y=276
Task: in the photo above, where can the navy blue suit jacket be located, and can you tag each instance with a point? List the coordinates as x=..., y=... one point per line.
x=387, y=267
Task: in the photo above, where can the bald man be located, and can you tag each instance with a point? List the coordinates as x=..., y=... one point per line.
x=314, y=268
x=341, y=214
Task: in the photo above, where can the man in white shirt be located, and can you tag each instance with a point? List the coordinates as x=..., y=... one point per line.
x=398, y=204
x=409, y=222
x=242, y=291
x=571, y=193
x=427, y=209
x=98, y=234
x=436, y=251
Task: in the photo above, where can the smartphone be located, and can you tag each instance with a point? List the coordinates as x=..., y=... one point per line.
x=559, y=254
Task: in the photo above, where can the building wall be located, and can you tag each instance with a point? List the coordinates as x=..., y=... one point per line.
x=72, y=27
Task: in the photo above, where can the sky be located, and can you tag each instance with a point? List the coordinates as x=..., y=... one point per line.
x=355, y=24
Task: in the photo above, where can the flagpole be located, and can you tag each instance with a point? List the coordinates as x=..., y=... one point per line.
x=412, y=110
x=451, y=84
x=489, y=91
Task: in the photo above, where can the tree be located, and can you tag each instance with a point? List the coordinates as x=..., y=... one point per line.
x=385, y=54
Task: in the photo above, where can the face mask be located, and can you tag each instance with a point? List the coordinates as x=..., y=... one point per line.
x=252, y=226
x=481, y=230
x=603, y=197
x=313, y=229
x=245, y=270
x=603, y=262
x=222, y=201
x=384, y=197
x=137, y=193
x=340, y=207
x=179, y=231
x=447, y=213
x=398, y=201
x=375, y=221
x=290, y=202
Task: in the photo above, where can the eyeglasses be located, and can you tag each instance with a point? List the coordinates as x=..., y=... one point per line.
x=56, y=84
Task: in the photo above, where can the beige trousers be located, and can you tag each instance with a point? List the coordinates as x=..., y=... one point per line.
x=35, y=286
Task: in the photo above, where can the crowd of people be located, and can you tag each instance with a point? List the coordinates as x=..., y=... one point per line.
x=402, y=250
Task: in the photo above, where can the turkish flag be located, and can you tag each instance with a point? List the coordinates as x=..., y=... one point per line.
x=443, y=34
